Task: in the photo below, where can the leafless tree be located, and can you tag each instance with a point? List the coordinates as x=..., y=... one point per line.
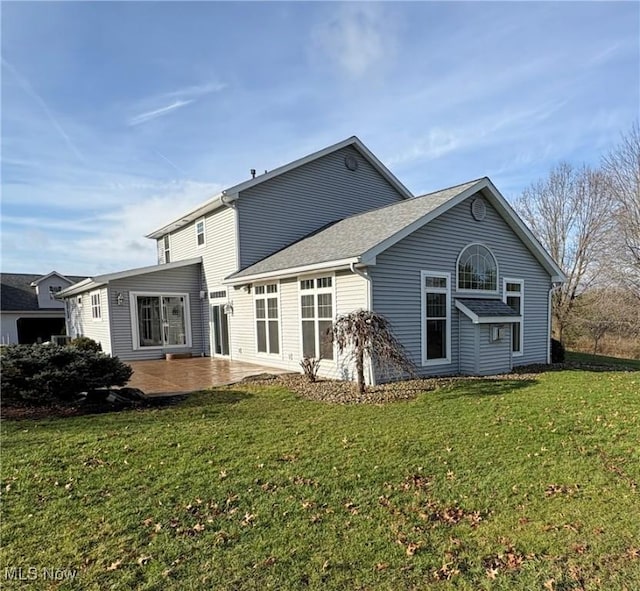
x=570, y=213
x=366, y=334
x=622, y=169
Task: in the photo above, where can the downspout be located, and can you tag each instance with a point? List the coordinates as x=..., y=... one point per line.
x=367, y=278
x=554, y=287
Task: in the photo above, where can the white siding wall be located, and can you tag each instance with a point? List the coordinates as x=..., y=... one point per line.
x=82, y=323
x=44, y=297
x=350, y=294
x=8, y=327
x=219, y=253
x=435, y=247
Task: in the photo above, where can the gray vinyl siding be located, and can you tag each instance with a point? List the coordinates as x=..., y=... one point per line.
x=180, y=280
x=277, y=212
x=82, y=322
x=350, y=293
x=435, y=247
x=469, y=344
x=494, y=357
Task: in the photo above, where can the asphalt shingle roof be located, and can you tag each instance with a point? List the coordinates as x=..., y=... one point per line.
x=484, y=308
x=355, y=235
x=17, y=294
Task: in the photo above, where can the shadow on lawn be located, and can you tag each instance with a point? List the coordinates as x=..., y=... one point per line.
x=99, y=407
x=208, y=397
x=484, y=387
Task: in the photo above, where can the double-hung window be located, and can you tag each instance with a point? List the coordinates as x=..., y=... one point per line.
x=513, y=296
x=316, y=312
x=96, y=310
x=200, y=237
x=436, y=318
x=166, y=249
x=267, y=318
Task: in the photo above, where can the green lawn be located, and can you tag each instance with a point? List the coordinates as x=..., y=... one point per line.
x=486, y=484
x=630, y=364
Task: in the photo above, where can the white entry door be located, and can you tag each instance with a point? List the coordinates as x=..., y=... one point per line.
x=219, y=331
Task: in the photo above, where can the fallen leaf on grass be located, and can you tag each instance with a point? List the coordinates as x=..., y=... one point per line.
x=144, y=560
x=115, y=565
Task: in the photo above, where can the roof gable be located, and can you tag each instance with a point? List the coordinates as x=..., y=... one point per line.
x=232, y=193
x=18, y=293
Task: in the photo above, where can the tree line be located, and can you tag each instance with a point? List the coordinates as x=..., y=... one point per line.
x=588, y=218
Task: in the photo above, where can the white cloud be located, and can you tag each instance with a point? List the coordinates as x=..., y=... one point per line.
x=111, y=240
x=358, y=38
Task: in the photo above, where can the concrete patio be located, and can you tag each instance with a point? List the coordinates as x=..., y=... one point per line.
x=181, y=376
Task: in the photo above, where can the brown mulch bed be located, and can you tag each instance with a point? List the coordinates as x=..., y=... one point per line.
x=343, y=392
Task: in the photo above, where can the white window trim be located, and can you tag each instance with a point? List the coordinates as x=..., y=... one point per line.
x=204, y=232
x=135, y=333
x=423, y=316
x=266, y=296
x=315, y=291
x=505, y=294
x=166, y=247
x=94, y=307
x=480, y=292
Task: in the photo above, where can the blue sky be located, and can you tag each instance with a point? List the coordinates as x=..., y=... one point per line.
x=117, y=117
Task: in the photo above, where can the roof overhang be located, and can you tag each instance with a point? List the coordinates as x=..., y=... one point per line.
x=477, y=319
x=221, y=200
x=336, y=265
x=101, y=280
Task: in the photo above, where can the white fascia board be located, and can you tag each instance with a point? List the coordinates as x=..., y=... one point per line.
x=293, y=271
x=76, y=288
x=425, y=219
x=208, y=206
x=100, y=280
x=475, y=319
x=86, y=285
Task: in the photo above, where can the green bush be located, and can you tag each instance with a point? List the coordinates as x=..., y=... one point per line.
x=46, y=374
x=557, y=351
x=85, y=344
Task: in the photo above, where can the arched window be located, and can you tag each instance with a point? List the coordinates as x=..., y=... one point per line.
x=477, y=269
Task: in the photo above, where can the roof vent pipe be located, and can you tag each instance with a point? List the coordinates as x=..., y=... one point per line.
x=253, y=173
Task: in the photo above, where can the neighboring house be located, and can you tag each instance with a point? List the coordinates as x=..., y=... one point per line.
x=259, y=272
x=29, y=311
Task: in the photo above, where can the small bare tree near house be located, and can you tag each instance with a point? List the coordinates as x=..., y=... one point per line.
x=365, y=334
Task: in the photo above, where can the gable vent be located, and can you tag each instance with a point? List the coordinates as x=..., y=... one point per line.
x=478, y=209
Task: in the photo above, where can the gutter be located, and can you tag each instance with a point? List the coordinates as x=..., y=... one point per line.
x=369, y=282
